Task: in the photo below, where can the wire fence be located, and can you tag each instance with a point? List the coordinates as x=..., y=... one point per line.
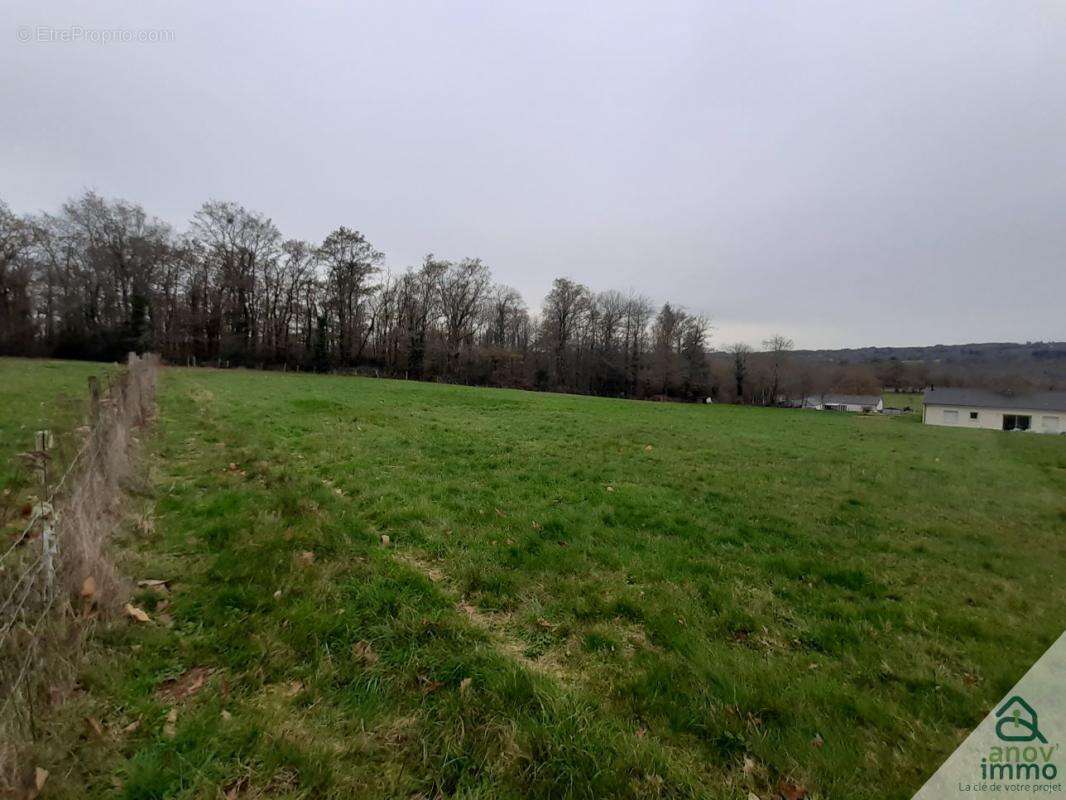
x=54, y=574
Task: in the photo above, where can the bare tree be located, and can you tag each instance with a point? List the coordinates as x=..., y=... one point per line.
x=350, y=262
x=564, y=309
x=461, y=288
x=667, y=333
x=695, y=371
x=17, y=329
x=239, y=244
x=740, y=353
x=778, y=348
x=638, y=314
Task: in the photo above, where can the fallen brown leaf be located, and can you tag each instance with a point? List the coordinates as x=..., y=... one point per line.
x=137, y=613
x=364, y=653
x=185, y=685
x=307, y=557
x=788, y=790
x=88, y=587
x=428, y=684
x=170, y=726
x=464, y=684
x=236, y=788
x=818, y=741
x=94, y=725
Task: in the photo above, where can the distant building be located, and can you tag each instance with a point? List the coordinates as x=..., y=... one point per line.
x=864, y=403
x=1042, y=412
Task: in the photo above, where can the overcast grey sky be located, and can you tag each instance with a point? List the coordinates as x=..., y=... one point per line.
x=848, y=173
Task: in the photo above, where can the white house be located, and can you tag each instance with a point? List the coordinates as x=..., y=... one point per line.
x=864, y=403
x=1042, y=412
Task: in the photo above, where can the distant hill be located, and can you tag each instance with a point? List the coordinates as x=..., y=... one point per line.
x=976, y=353
x=1039, y=364
x=998, y=365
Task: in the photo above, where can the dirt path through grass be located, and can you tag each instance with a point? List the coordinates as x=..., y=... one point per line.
x=498, y=627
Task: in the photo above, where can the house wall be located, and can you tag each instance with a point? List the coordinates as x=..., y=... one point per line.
x=992, y=418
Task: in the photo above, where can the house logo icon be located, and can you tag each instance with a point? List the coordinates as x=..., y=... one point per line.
x=1016, y=722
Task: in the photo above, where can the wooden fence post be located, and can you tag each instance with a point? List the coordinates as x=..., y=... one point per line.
x=94, y=398
x=43, y=443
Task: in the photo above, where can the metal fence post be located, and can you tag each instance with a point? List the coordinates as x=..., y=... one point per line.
x=50, y=547
x=45, y=443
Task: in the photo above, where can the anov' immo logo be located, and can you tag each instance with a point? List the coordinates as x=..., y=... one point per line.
x=1017, y=723
x=1017, y=748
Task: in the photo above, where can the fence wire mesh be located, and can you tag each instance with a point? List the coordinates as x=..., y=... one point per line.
x=44, y=568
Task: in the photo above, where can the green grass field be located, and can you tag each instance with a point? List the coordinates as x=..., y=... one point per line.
x=580, y=597
x=38, y=394
x=903, y=400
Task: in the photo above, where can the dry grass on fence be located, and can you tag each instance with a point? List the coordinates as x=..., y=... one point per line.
x=56, y=577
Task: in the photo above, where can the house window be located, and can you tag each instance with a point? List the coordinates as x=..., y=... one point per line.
x=973, y=415
x=1016, y=422
x=951, y=417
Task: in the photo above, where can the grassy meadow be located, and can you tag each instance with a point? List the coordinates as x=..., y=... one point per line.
x=911, y=400
x=579, y=597
x=34, y=395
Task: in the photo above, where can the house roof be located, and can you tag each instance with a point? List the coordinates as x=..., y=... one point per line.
x=987, y=398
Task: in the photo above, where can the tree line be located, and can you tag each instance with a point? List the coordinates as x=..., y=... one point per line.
x=103, y=277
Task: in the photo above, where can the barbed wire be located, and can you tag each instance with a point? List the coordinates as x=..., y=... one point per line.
x=125, y=397
x=31, y=651
x=52, y=495
x=27, y=573
x=22, y=536
x=70, y=468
